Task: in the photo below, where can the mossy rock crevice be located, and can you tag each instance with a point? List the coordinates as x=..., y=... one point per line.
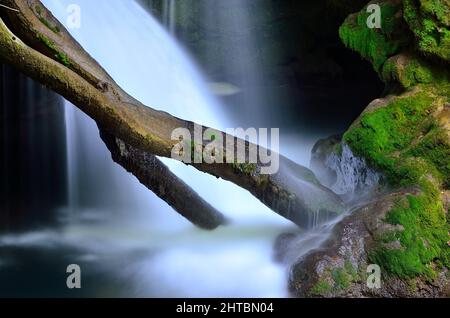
x=373, y=44
x=430, y=23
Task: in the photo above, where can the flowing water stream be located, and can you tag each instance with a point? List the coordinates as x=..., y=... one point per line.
x=127, y=241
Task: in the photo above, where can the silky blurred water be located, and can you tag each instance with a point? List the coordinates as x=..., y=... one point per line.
x=127, y=241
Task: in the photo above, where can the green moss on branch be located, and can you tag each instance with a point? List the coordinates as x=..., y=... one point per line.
x=59, y=55
x=39, y=12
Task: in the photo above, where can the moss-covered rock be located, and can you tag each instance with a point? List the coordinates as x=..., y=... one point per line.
x=386, y=135
x=429, y=20
x=373, y=44
x=415, y=28
x=340, y=268
x=409, y=69
x=406, y=137
x=404, y=140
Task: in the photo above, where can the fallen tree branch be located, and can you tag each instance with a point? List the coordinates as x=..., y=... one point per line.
x=152, y=173
x=56, y=60
x=6, y=7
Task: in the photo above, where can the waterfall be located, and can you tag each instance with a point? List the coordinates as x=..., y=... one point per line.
x=354, y=176
x=150, y=65
x=146, y=61
x=231, y=23
x=128, y=241
x=71, y=153
x=169, y=14
x=32, y=158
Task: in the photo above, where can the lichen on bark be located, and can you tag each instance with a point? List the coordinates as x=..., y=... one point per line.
x=59, y=62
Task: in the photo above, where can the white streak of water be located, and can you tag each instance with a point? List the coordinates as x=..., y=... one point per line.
x=354, y=176
x=143, y=58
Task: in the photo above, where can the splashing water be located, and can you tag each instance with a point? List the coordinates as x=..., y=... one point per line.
x=169, y=13
x=354, y=176
x=112, y=214
x=120, y=229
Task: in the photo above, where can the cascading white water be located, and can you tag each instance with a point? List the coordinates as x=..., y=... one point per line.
x=71, y=146
x=232, y=261
x=122, y=228
x=353, y=174
x=231, y=22
x=157, y=72
x=169, y=13
x=119, y=229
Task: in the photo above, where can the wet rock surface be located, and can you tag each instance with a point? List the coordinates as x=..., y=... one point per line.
x=339, y=267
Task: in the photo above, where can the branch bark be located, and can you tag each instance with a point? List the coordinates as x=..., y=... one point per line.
x=152, y=173
x=56, y=60
x=156, y=177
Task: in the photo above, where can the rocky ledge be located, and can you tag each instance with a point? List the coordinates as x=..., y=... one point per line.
x=404, y=137
x=339, y=267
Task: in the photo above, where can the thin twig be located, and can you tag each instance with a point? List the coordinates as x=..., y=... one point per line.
x=9, y=8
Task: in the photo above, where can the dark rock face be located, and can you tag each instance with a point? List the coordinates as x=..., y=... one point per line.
x=339, y=267
x=33, y=151
x=331, y=272
x=319, y=155
x=339, y=169
x=303, y=67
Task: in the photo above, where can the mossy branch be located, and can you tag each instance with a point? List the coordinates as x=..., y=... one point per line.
x=59, y=62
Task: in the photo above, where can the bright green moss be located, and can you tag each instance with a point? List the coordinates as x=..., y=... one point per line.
x=375, y=45
x=335, y=280
x=47, y=41
x=63, y=58
x=423, y=238
x=350, y=270
x=387, y=138
x=341, y=279
x=60, y=56
x=429, y=21
x=247, y=168
x=321, y=288
x=389, y=129
x=435, y=149
x=403, y=141
x=437, y=8
x=412, y=70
